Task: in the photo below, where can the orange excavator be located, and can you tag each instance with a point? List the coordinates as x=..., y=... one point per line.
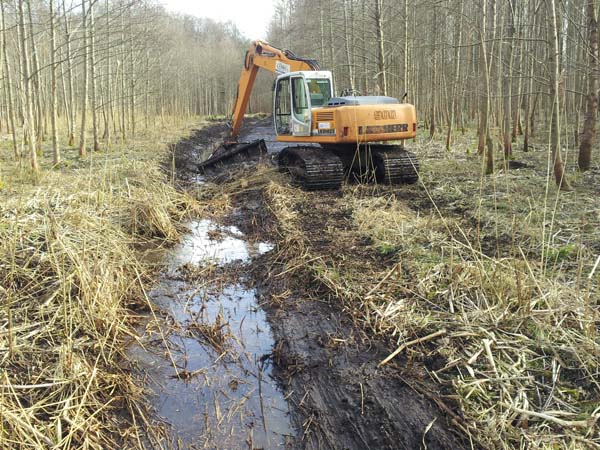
x=332, y=136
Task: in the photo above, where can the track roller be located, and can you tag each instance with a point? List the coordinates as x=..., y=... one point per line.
x=313, y=168
x=394, y=165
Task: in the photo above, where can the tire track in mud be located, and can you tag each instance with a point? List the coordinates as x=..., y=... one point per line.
x=327, y=363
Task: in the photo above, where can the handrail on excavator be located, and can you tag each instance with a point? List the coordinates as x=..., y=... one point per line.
x=262, y=55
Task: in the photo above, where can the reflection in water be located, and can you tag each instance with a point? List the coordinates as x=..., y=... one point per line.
x=212, y=380
x=209, y=242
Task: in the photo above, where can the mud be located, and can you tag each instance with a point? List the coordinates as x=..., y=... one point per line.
x=324, y=362
x=342, y=400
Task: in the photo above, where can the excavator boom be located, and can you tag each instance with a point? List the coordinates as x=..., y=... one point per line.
x=262, y=55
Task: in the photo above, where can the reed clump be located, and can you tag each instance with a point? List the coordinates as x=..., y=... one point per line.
x=71, y=274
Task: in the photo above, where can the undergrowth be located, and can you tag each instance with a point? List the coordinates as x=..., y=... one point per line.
x=71, y=276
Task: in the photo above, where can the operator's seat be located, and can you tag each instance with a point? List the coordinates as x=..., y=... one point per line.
x=316, y=99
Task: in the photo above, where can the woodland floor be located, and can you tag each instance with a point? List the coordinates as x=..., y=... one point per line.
x=117, y=332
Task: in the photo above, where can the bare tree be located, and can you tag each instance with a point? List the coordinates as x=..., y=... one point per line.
x=554, y=72
x=507, y=80
x=84, y=94
x=381, y=68
x=8, y=85
x=589, y=127
x=26, y=83
x=92, y=52
x=53, y=84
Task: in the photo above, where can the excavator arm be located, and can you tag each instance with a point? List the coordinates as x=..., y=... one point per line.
x=262, y=55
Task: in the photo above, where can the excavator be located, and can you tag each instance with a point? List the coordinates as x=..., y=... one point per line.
x=330, y=137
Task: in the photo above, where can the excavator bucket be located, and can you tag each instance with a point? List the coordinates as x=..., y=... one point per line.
x=234, y=152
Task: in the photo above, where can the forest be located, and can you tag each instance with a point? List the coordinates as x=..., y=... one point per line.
x=145, y=303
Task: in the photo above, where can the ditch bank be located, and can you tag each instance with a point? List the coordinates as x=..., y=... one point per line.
x=250, y=349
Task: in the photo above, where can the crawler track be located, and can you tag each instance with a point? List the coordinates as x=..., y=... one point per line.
x=313, y=168
x=394, y=165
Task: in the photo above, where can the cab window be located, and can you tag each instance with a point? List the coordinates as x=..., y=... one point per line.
x=320, y=91
x=283, y=109
x=300, y=99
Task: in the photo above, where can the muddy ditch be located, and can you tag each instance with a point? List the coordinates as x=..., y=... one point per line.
x=204, y=356
x=241, y=353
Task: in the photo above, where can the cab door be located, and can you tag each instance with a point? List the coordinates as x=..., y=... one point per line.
x=292, y=108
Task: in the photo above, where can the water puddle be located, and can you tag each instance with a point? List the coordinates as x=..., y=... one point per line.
x=208, y=242
x=206, y=359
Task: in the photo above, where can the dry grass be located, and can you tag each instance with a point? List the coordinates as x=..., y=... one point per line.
x=489, y=282
x=69, y=275
x=215, y=333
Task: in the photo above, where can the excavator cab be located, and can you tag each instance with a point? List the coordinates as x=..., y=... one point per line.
x=296, y=94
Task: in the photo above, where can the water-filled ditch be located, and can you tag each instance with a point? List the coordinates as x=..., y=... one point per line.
x=204, y=352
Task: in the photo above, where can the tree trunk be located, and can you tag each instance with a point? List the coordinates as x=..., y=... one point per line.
x=71, y=90
x=93, y=95
x=406, y=83
x=529, y=106
x=456, y=79
x=36, y=85
x=589, y=125
x=347, y=44
x=507, y=82
x=9, y=87
x=132, y=111
x=53, y=84
x=381, y=68
x=485, y=145
x=29, y=123
x=554, y=72
x=432, y=106
x=84, y=94
x=108, y=91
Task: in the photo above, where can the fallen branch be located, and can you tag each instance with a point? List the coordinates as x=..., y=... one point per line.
x=563, y=423
x=410, y=343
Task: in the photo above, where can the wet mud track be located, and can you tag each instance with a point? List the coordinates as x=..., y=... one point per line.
x=341, y=400
x=328, y=365
x=321, y=363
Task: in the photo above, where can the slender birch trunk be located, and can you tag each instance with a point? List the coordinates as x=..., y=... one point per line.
x=507, y=82
x=36, y=85
x=555, y=144
x=456, y=79
x=53, y=84
x=93, y=95
x=381, y=67
x=589, y=126
x=84, y=94
x=9, y=86
x=347, y=40
x=70, y=87
x=26, y=83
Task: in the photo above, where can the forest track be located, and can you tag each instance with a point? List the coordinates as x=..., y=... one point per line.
x=326, y=362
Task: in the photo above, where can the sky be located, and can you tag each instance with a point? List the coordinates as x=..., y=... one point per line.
x=250, y=16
